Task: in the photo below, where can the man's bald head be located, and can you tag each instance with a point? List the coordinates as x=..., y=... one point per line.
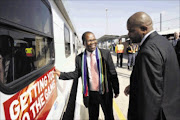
x=138, y=25
x=176, y=35
x=140, y=19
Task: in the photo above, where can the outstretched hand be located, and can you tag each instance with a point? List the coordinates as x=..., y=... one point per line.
x=57, y=72
x=127, y=90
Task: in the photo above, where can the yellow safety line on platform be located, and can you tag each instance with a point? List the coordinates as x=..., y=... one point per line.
x=118, y=111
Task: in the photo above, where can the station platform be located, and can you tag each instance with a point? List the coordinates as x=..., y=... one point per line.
x=120, y=104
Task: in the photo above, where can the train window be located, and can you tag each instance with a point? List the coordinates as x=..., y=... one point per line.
x=29, y=13
x=73, y=43
x=67, y=41
x=21, y=53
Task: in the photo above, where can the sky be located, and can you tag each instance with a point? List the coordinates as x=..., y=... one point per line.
x=110, y=16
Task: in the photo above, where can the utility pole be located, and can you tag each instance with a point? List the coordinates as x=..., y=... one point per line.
x=160, y=21
x=106, y=27
x=106, y=21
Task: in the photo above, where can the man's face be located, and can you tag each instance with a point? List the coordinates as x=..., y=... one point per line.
x=176, y=35
x=134, y=33
x=90, y=42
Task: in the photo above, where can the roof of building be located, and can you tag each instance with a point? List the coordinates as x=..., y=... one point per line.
x=170, y=31
x=105, y=38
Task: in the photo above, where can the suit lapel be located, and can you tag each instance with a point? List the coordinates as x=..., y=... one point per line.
x=87, y=71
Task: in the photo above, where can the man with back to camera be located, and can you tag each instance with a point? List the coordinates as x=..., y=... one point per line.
x=99, y=77
x=131, y=54
x=155, y=80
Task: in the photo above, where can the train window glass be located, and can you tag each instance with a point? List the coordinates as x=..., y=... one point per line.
x=73, y=43
x=67, y=41
x=21, y=53
x=32, y=14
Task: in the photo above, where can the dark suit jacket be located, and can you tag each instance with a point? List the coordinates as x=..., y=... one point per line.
x=177, y=49
x=113, y=83
x=155, y=82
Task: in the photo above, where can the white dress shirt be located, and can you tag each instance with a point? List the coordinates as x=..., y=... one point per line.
x=144, y=38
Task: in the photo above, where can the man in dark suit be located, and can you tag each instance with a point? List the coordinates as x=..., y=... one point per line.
x=155, y=80
x=99, y=77
x=176, y=39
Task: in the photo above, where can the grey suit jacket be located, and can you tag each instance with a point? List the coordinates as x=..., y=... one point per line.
x=155, y=82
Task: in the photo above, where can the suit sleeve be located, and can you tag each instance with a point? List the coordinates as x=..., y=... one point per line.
x=72, y=75
x=150, y=85
x=113, y=74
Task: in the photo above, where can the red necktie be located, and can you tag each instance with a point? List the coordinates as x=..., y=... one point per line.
x=94, y=75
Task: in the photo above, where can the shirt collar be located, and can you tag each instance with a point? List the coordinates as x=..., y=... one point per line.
x=89, y=53
x=144, y=38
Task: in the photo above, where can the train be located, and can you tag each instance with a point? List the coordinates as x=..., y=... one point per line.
x=35, y=37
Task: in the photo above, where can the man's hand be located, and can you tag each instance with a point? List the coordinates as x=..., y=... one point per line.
x=116, y=95
x=127, y=90
x=57, y=72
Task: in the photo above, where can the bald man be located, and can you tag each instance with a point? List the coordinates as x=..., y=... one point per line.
x=176, y=39
x=155, y=80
